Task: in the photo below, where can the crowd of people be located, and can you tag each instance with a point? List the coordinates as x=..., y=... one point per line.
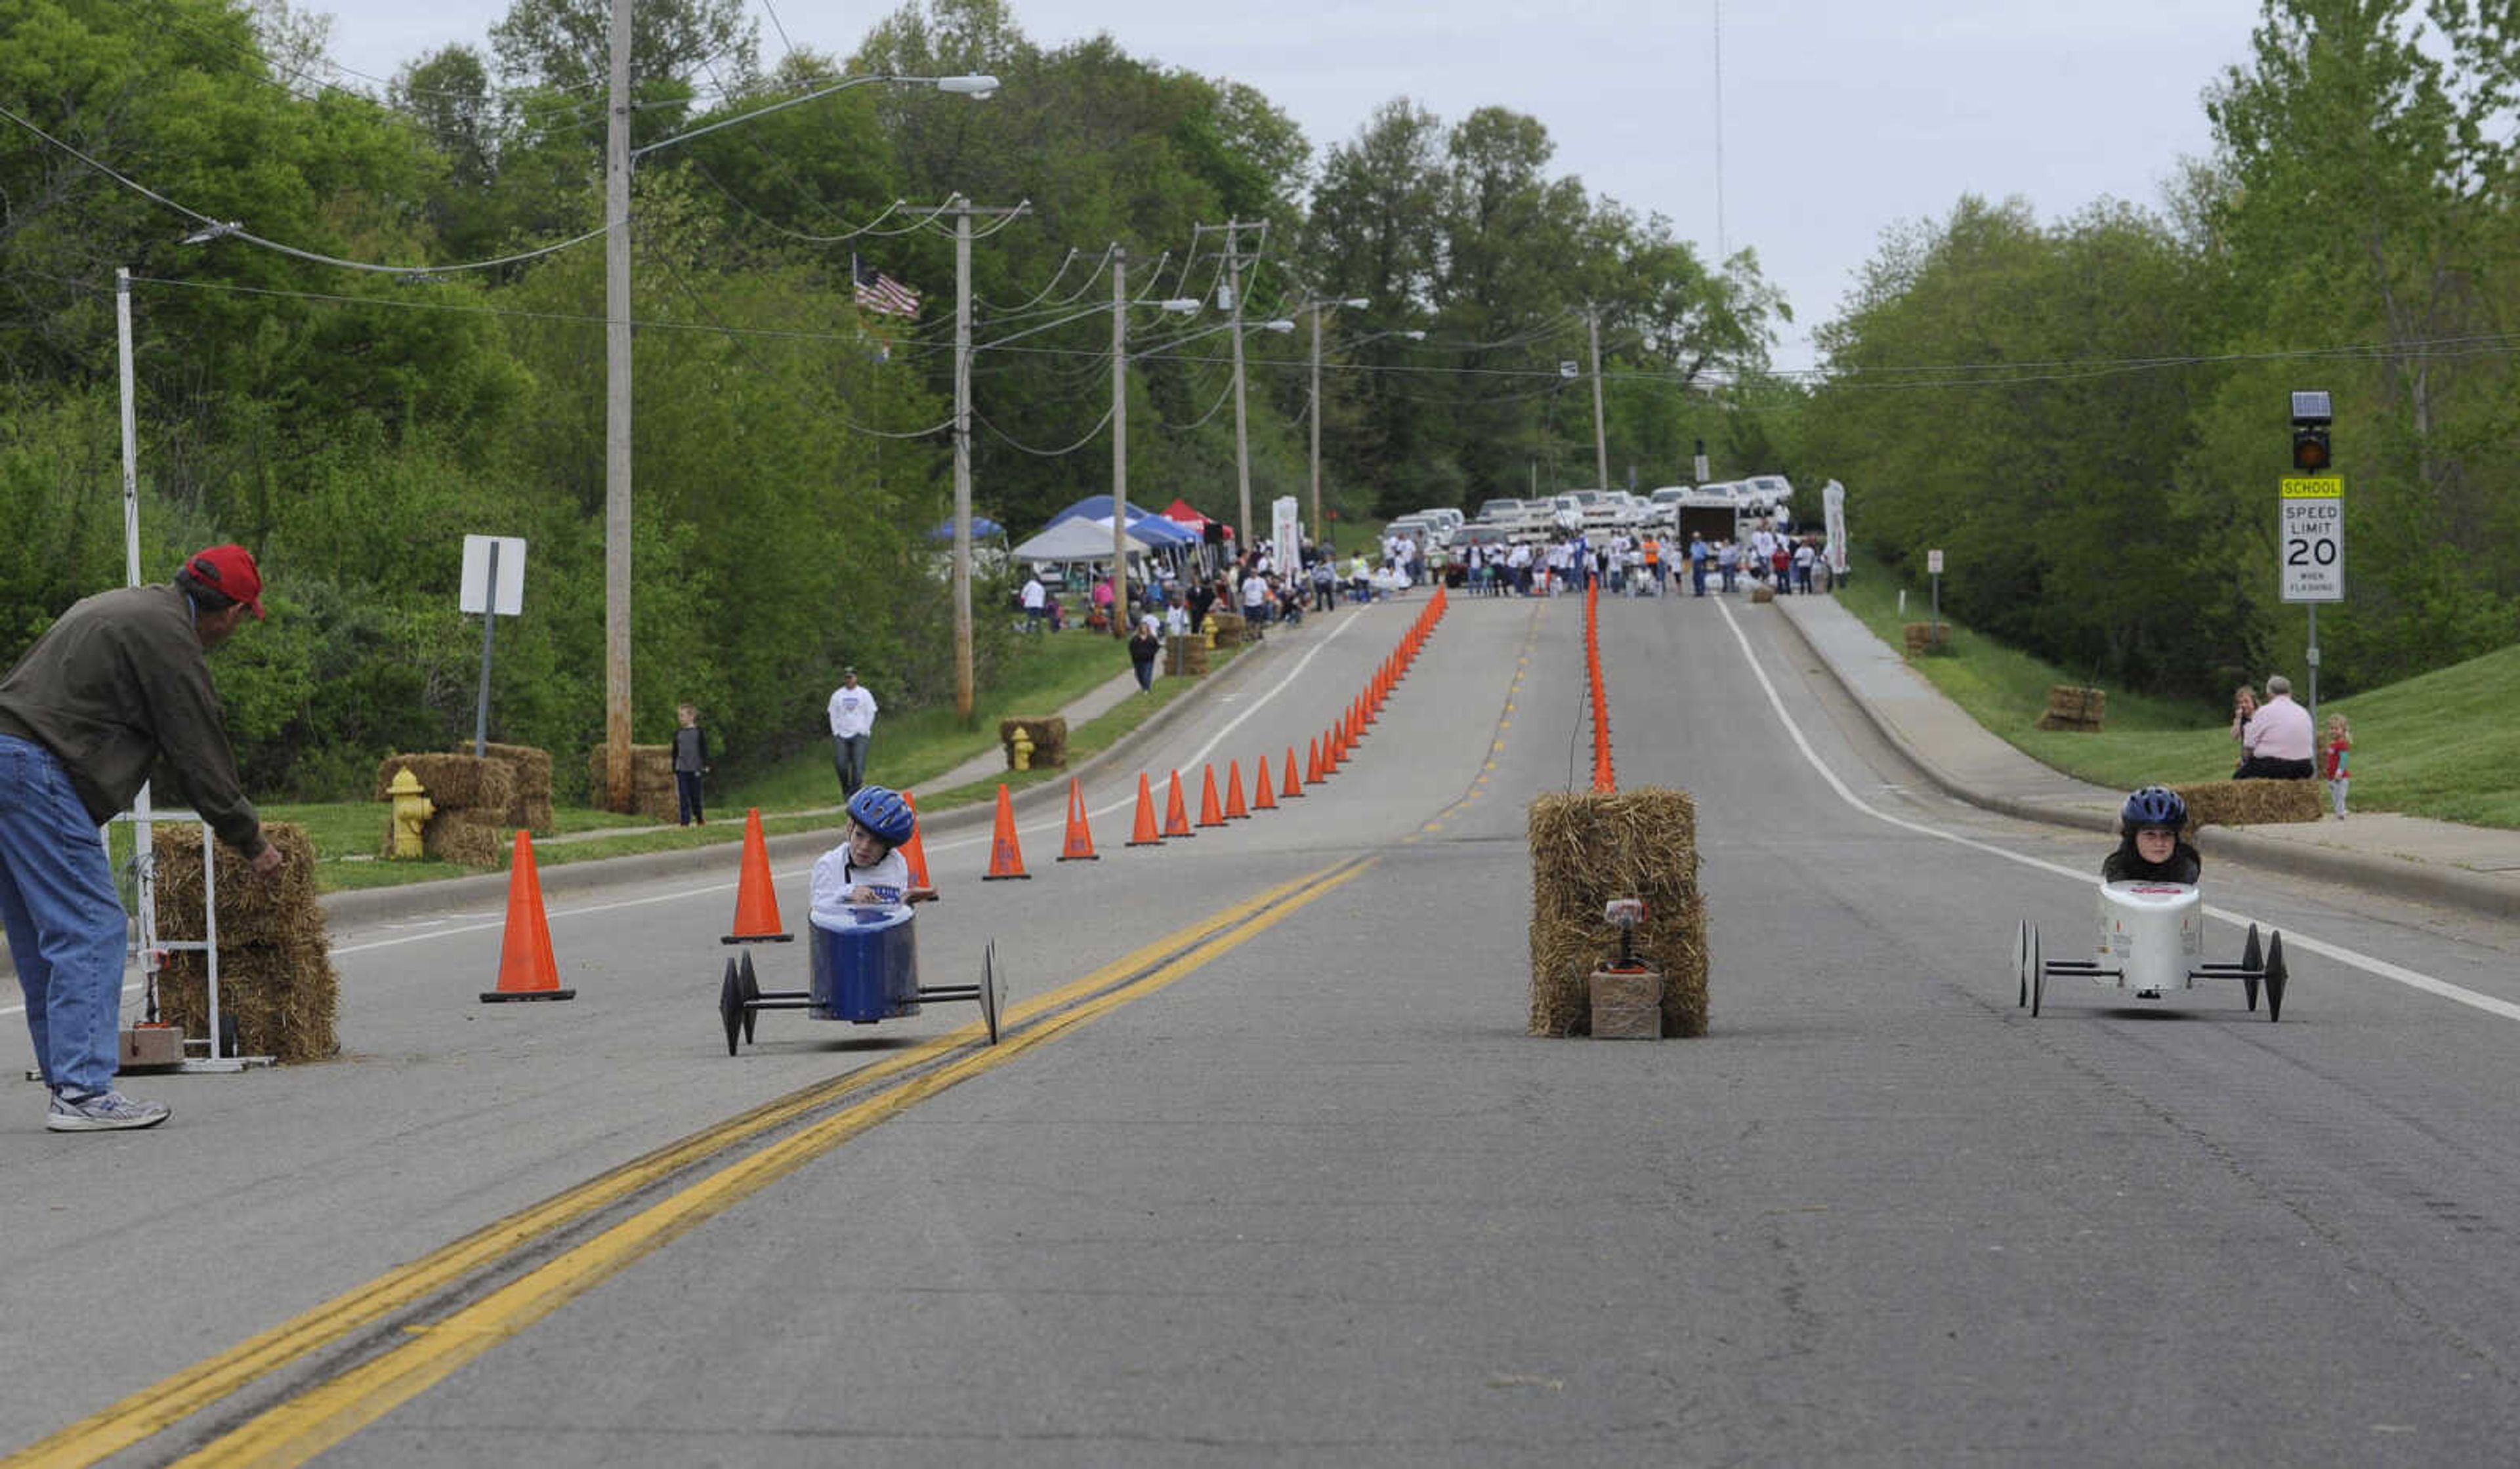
x=1647, y=564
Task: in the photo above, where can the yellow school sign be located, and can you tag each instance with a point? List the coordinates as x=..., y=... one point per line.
x=2312, y=535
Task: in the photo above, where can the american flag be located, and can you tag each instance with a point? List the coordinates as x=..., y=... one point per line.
x=881, y=293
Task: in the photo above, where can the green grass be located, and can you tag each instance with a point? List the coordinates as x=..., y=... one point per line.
x=800, y=794
x=2443, y=746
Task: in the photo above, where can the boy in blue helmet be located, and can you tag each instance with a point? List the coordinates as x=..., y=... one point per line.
x=866, y=869
x=2150, y=847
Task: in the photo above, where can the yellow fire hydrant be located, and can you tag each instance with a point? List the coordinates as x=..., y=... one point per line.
x=1207, y=630
x=1019, y=749
x=412, y=809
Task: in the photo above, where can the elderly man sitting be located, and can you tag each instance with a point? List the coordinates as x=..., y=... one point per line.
x=2275, y=745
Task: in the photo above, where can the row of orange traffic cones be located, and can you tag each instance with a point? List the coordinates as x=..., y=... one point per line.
x=528, y=970
x=1323, y=756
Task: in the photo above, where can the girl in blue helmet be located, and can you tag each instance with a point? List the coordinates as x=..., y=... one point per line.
x=2150, y=847
x=867, y=869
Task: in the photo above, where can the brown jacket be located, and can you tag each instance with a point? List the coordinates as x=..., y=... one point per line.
x=117, y=683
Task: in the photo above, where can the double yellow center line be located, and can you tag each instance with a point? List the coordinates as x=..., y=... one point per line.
x=305, y=1425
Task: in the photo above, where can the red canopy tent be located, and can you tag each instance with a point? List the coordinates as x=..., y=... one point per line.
x=1180, y=510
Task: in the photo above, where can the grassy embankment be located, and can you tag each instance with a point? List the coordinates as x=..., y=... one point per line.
x=2444, y=746
x=800, y=794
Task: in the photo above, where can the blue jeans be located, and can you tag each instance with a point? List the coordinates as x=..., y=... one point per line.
x=64, y=921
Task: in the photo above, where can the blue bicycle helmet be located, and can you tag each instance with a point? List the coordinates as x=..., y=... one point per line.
x=2153, y=806
x=885, y=813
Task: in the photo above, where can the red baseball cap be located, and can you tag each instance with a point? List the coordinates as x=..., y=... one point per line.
x=230, y=571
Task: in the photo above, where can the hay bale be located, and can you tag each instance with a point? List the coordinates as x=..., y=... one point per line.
x=282, y=996
x=1928, y=636
x=453, y=781
x=469, y=839
x=1048, y=737
x=2250, y=803
x=275, y=973
x=652, y=781
x=1186, y=656
x=533, y=814
x=1231, y=628
x=532, y=767
x=1587, y=848
x=1762, y=591
x=252, y=910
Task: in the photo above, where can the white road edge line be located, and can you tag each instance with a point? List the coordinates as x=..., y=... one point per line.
x=2381, y=967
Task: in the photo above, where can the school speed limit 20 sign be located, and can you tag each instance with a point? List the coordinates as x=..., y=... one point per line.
x=2312, y=536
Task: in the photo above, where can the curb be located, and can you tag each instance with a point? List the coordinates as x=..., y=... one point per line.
x=385, y=905
x=2407, y=877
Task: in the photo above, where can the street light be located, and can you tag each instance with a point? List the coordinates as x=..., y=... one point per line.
x=618, y=155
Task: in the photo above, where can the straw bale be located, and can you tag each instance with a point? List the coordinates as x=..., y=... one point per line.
x=534, y=813
x=1762, y=591
x=1186, y=656
x=651, y=780
x=1049, y=735
x=2088, y=707
x=1231, y=628
x=532, y=767
x=1587, y=848
x=282, y=996
x=252, y=910
x=2250, y=803
x=470, y=838
x=453, y=781
x=1928, y=636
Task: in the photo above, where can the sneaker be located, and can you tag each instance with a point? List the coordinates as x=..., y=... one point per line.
x=103, y=1112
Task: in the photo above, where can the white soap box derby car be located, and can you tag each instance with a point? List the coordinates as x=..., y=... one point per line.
x=2152, y=942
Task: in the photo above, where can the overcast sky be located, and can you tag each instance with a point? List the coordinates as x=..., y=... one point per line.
x=1840, y=116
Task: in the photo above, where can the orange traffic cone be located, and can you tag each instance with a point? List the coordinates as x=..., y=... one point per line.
x=1078, y=845
x=526, y=969
x=1235, y=810
x=1262, y=797
x=1006, y=855
x=1294, y=787
x=1176, y=815
x=1209, y=813
x=756, y=898
x=1312, y=764
x=1145, y=835
x=913, y=852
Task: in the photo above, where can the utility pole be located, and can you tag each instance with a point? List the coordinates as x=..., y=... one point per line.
x=1234, y=263
x=962, y=209
x=1600, y=436
x=617, y=795
x=1317, y=421
x=1120, y=441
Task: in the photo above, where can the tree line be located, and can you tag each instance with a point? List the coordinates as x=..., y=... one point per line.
x=352, y=425
x=2090, y=416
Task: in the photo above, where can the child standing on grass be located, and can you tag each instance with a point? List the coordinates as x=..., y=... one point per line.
x=2338, y=744
x=690, y=759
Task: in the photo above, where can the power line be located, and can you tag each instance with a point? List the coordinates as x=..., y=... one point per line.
x=230, y=229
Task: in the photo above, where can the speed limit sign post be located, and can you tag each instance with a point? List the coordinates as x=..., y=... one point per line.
x=2312, y=536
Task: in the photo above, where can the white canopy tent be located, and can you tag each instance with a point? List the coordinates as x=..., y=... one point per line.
x=1077, y=540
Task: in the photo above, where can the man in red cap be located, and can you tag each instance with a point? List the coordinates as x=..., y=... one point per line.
x=120, y=683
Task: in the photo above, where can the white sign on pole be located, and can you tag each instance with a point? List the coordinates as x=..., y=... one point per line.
x=476, y=595
x=1286, y=529
x=2312, y=535
x=1933, y=564
x=1568, y=370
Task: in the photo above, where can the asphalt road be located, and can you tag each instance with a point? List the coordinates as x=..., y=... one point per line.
x=1307, y=1193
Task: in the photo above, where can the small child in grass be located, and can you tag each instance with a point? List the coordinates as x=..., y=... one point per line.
x=2338, y=744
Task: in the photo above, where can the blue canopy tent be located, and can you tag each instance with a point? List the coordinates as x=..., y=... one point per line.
x=1143, y=523
x=982, y=527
